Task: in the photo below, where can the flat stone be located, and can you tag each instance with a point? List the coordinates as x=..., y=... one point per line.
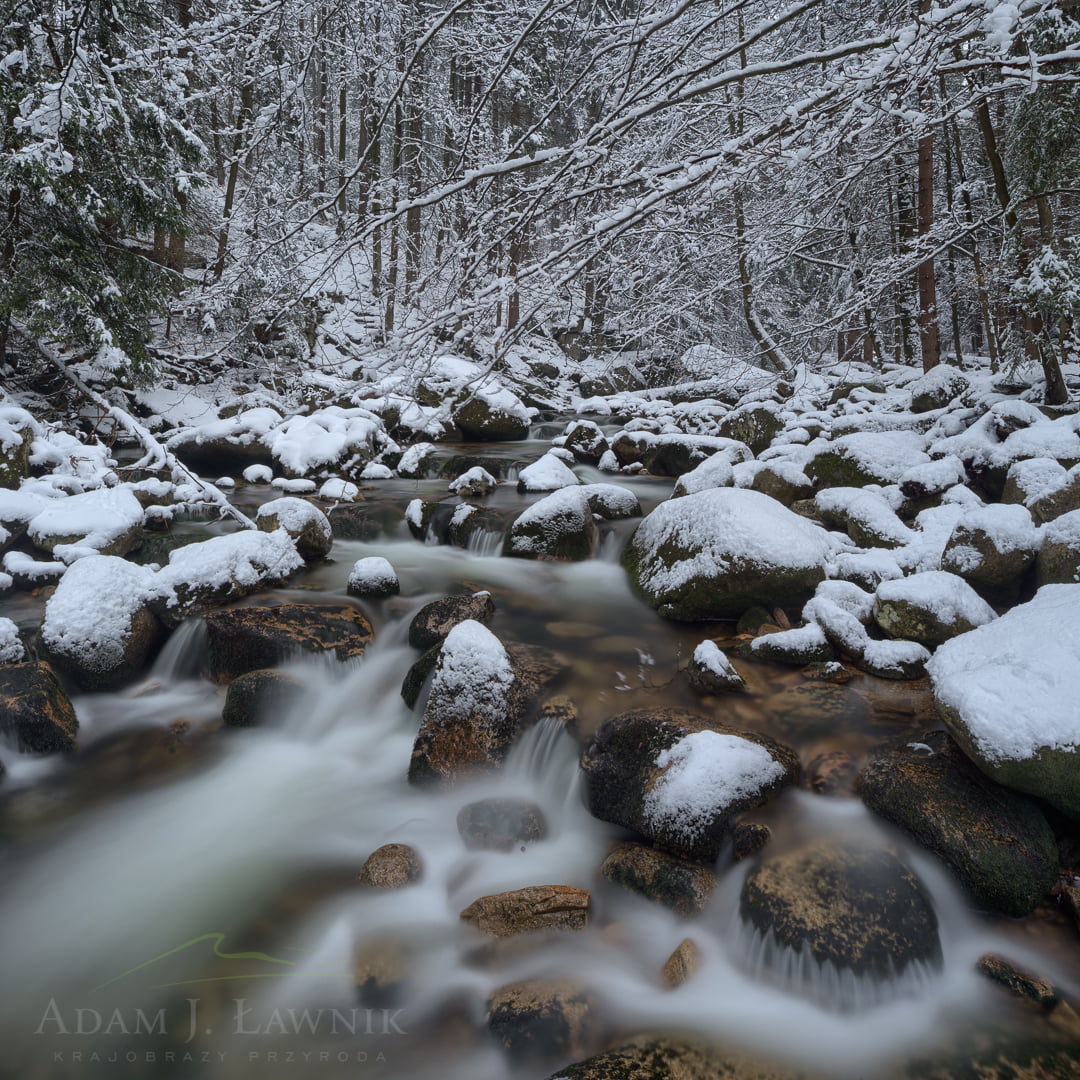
x=537, y=907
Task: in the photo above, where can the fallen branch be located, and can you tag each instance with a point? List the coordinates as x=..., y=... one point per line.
x=157, y=456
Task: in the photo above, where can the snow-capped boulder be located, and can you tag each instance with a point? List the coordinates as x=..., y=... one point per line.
x=17, y=431
x=562, y=525
x=474, y=482
x=1058, y=560
x=930, y=607
x=997, y=843
x=673, y=455
x=481, y=696
x=866, y=516
x=782, y=480
x=98, y=625
x=308, y=526
x=714, y=472
x=585, y=441
x=549, y=473
x=434, y=621
x=107, y=521
x=373, y=578
x=755, y=425
x=867, y=458
x=680, y=779
x=939, y=387
x=417, y=461
x=492, y=414
x=711, y=672
x=1007, y=693
x=714, y=554
x=991, y=547
x=200, y=576
x=35, y=709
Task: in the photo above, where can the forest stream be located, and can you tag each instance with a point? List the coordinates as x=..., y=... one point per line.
x=183, y=898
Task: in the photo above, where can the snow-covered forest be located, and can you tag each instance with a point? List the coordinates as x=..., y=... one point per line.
x=189, y=182
x=540, y=540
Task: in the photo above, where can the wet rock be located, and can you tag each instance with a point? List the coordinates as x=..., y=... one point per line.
x=461, y=464
x=717, y=553
x=417, y=462
x=831, y=671
x=674, y=1057
x=99, y=629
x=859, y=909
x=308, y=526
x=929, y=608
x=491, y=417
x=747, y=838
x=681, y=964
x=753, y=619
x=413, y=683
x=474, y=521
x=559, y=527
x=244, y=639
x=434, y=621
x=373, y=578
x=501, y=824
x=542, y=1019
x=393, y=866
x=256, y=695
x=831, y=773
x=538, y=907
x=1039, y=991
x=711, y=672
x=676, y=883
x=640, y=770
x=363, y=521
x=997, y=843
x=814, y=709
x=380, y=968
x=428, y=518
x=482, y=694
x=1058, y=560
x=35, y=709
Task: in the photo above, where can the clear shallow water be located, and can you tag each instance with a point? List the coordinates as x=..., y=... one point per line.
x=194, y=892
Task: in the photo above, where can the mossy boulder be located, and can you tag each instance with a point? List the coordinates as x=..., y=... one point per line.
x=16, y=436
x=679, y=884
x=495, y=416
x=35, y=709
x=637, y=769
x=937, y=388
x=992, y=548
x=997, y=843
x=716, y=553
x=930, y=608
x=244, y=639
x=1058, y=561
x=755, y=425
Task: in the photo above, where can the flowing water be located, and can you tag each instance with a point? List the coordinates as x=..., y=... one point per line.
x=182, y=901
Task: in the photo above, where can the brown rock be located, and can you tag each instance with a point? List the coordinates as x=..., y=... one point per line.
x=393, y=866
x=541, y=1019
x=831, y=773
x=35, y=708
x=1018, y=983
x=247, y=638
x=748, y=838
x=679, y=884
x=434, y=621
x=538, y=907
x=681, y=964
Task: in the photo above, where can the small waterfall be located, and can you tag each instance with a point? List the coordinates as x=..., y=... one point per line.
x=184, y=653
x=487, y=543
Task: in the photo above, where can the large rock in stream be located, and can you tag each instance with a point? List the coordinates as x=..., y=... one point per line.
x=247, y=638
x=997, y=843
x=717, y=553
x=857, y=909
x=680, y=779
x=35, y=709
x=482, y=694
